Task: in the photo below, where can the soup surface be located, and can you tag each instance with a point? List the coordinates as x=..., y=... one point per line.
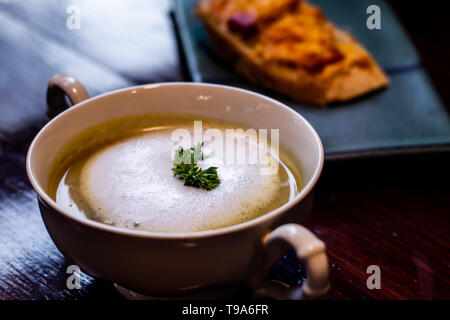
x=120, y=173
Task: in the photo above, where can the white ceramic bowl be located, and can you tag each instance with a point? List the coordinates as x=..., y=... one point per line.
x=181, y=264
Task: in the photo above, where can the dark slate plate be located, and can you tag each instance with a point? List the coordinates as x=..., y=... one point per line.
x=407, y=117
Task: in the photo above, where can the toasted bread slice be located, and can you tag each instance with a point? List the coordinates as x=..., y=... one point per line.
x=290, y=47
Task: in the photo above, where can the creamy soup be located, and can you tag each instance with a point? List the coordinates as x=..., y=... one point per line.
x=120, y=173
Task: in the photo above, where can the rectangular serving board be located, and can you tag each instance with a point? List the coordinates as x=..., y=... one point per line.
x=407, y=117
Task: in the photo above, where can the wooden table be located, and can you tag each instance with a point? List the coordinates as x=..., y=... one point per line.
x=390, y=212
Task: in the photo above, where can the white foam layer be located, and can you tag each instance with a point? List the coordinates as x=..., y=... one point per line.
x=131, y=184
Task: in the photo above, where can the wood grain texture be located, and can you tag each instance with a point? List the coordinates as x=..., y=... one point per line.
x=390, y=212
x=28, y=59
x=408, y=239
x=133, y=37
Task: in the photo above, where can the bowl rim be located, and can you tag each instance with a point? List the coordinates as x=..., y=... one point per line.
x=174, y=235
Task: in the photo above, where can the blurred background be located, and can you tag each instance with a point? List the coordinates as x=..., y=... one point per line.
x=389, y=210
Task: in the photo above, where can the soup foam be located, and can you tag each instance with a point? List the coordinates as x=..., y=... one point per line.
x=130, y=184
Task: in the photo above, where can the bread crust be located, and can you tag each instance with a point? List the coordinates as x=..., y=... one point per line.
x=333, y=85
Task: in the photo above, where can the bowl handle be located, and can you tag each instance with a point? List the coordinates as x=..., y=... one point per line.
x=310, y=251
x=61, y=86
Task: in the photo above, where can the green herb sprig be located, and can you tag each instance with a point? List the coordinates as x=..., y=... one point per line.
x=187, y=170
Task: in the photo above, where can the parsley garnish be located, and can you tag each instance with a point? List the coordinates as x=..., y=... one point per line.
x=186, y=169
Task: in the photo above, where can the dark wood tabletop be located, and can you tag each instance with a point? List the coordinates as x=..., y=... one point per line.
x=392, y=212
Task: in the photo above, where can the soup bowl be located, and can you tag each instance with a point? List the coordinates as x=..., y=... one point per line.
x=210, y=263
